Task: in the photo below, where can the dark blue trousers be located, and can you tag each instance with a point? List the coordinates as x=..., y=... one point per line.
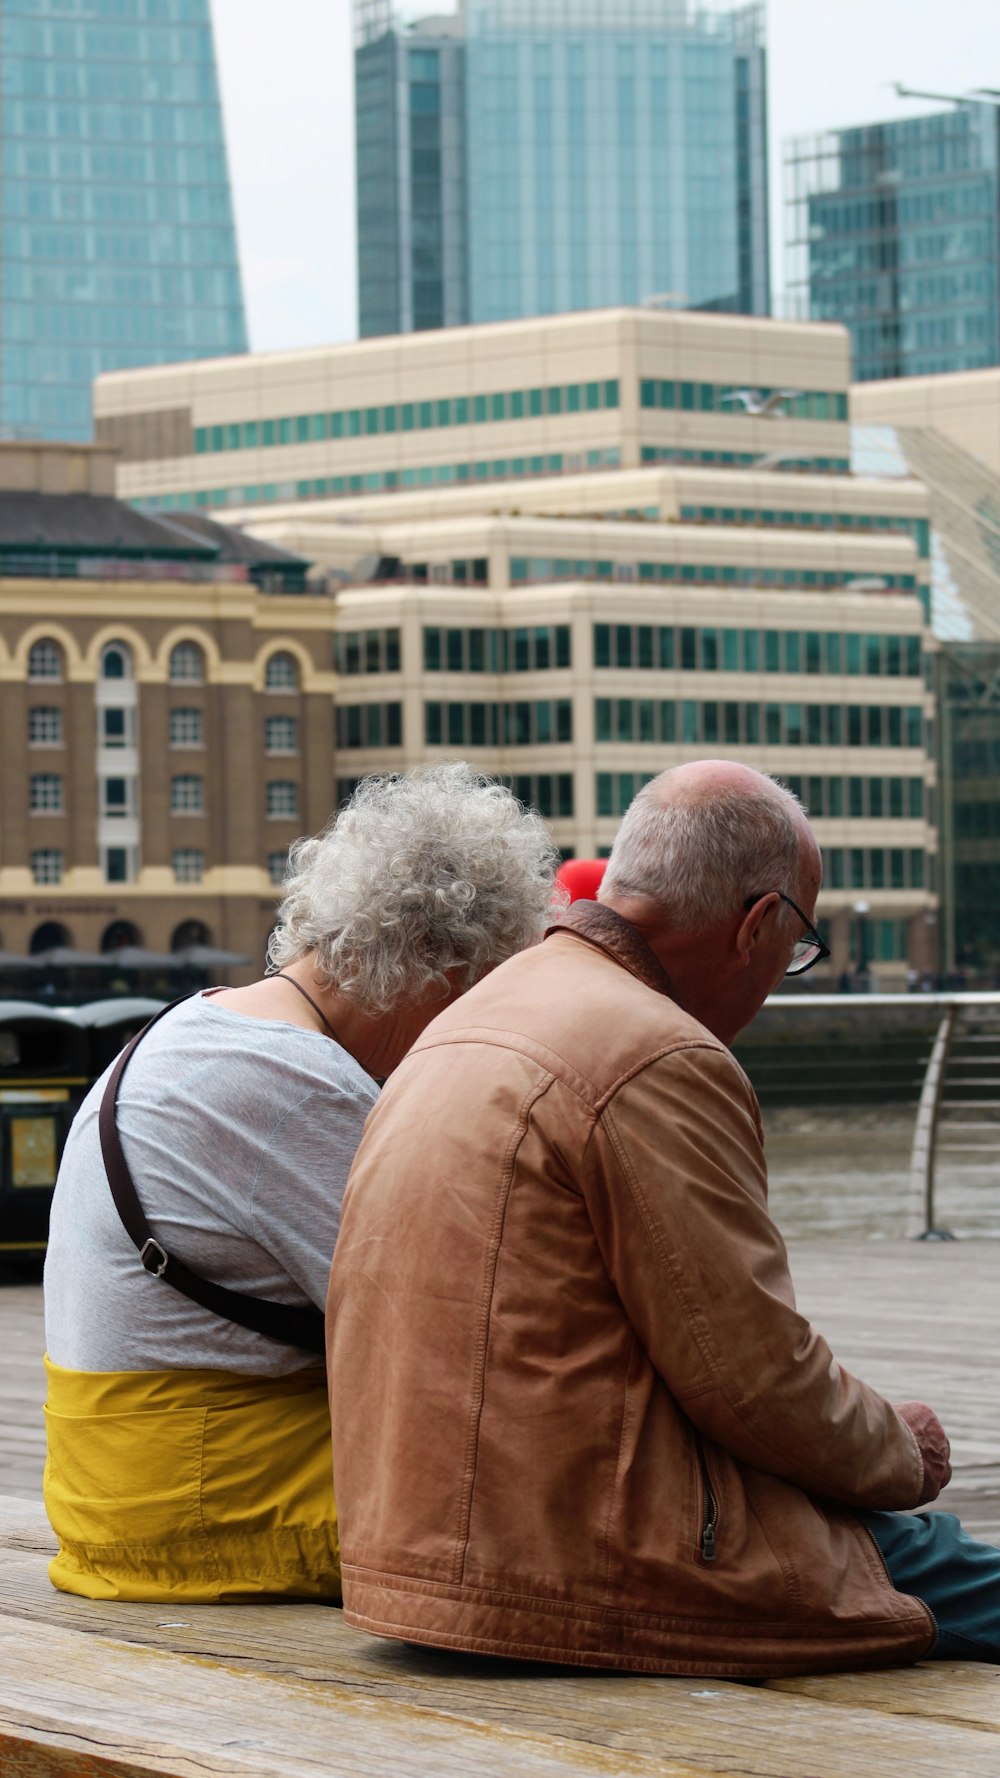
x=929, y=1556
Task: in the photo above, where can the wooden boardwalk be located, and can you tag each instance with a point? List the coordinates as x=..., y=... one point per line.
x=920, y=1321
x=89, y=1690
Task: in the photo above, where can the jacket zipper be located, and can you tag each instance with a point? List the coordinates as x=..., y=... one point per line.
x=710, y=1507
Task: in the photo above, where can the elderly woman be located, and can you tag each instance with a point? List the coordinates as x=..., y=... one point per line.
x=189, y=1457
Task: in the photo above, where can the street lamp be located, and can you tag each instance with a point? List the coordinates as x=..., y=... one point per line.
x=861, y=913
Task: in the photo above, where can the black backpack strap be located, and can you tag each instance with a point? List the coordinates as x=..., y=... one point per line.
x=276, y=1321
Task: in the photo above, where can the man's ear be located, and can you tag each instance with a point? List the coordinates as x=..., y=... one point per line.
x=752, y=927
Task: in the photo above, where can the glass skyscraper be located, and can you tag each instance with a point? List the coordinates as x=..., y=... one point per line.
x=117, y=243
x=584, y=155
x=892, y=228
x=410, y=126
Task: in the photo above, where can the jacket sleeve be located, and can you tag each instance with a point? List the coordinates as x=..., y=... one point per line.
x=678, y=1198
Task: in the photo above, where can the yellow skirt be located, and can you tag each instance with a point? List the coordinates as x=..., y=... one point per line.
x=196, y=1485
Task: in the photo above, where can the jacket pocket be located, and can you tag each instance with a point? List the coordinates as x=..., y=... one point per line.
x=708, y=1495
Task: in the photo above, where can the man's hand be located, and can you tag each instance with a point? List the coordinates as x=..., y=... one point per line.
x=934, y=1447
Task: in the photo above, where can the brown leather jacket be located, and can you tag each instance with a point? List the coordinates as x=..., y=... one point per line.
x=576, y=1415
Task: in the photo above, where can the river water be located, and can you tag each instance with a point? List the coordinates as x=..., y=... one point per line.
x=841, y=1170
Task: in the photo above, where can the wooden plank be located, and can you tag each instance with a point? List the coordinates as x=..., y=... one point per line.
x=949, y=1691
x=170, y=1713
x=931, y=1719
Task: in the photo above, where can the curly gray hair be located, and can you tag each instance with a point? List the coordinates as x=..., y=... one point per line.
x=436, y=870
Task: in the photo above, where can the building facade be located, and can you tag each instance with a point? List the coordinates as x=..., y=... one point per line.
x=894, y=230
x=576, y=551
x=411, y=173
x=519, y=160
x=166, y=717
x=963, y=408
x=587, y=631
x=510, y=402
x=118, y=244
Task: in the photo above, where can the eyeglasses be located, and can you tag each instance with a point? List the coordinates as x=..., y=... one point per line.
x=809, y=949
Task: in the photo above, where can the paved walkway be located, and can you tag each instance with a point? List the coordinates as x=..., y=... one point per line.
x=919, y=1321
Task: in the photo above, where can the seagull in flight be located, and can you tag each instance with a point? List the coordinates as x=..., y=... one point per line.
x=753, y=402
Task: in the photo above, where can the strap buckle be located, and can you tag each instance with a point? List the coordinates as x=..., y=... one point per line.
x=154, y=1257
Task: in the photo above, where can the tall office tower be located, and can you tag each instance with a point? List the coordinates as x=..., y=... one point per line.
x=553, y=156
x=410, y=122
x=118, y=246
x=893, y=230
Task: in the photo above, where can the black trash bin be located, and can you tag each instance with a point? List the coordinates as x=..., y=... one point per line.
x=44, y=1073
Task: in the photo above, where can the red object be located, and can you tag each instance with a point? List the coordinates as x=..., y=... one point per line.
x=582, y=877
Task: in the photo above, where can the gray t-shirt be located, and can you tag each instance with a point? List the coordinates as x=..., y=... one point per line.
x=239, y=1134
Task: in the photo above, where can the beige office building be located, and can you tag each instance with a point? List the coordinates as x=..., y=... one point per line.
x=562, y=394
x=963, y=406
x=579, y=549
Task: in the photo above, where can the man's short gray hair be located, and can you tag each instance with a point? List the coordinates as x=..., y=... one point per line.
x=699, y=855
x=436, y=870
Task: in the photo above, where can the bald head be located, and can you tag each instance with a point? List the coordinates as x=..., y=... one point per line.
x=702, y=838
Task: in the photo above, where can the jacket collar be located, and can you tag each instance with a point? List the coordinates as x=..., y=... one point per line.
x=622, y=941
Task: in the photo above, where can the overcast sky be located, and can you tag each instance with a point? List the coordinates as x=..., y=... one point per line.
x=286, y=73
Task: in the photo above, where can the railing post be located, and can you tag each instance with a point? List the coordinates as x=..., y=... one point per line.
x=922, y=1226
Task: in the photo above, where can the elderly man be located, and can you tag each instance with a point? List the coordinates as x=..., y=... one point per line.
x=576, y=1415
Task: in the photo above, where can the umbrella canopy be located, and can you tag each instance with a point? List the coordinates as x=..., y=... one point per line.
x=123, y=1009
x=13, y=960
x=65, y=957
x=209, y=957
x=136, y=957
x=20, y=1011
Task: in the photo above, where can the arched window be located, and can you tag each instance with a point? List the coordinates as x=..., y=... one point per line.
x=116, y=661
x=188, y=933
x=119, y=934
x=187, y=664
x=281, y=673
x=48, y=937
x=45, y=660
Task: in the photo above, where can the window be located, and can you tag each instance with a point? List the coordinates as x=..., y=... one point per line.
x=45, y=726
x=114, y=727
x=116, y=661
x=189, y=864
x=186, y=728
x=46, y=794
x=47, y=866
x=116, y=798
x=187, y=794
x=187, y=664
x=45, y=662
x=276, y=865
x=281, y=673
x=369, y=725
x=120, y=864
x=280, y=734
x=282, y=800
x=367, y=651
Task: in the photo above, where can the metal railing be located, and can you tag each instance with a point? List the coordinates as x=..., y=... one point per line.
x=937, y=1054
